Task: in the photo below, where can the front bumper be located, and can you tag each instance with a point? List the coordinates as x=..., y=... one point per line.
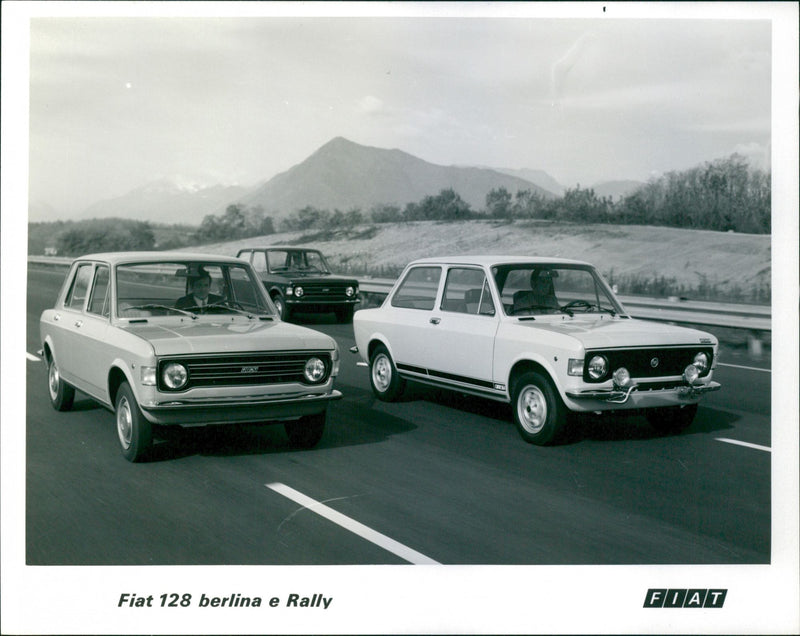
x=206, y=411
x=636, y=397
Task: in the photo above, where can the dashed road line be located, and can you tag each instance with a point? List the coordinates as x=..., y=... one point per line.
x=746, y=444
x=404, y=552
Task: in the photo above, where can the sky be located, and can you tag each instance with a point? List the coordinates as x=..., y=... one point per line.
x=212, y=97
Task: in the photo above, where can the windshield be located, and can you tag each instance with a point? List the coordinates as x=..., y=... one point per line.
x=529, y=289
x=302, y=261
x=188, y=288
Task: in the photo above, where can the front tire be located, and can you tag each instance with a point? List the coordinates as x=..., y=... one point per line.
x=539, y=413
x=670, y=420
x=134, y=431
x=307, y=431
x=283, y=311
x=62, y=395
x=387, y=385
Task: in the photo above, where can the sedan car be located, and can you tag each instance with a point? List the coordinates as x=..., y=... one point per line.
x=546, y=335
x=299, y=279
x=174, y=339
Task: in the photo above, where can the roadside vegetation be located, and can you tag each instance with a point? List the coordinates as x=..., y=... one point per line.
x=725, y=201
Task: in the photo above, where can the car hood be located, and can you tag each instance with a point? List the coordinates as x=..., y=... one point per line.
x=237, y=335
x=622, y=332
x=310, y=277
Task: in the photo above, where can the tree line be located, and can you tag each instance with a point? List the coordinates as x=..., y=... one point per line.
x=723, y=195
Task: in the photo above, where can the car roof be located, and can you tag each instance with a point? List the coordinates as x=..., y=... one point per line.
x=114, y=258
x=488, y=260
x=293, y=248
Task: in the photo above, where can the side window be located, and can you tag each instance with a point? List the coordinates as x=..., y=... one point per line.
x=99, y=301
x=466, y=291
x=80, y=285
x=418, y=289
x=277, y=260
x=260, y=262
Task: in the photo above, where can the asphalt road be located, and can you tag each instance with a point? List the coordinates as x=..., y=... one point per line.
x=437, y=478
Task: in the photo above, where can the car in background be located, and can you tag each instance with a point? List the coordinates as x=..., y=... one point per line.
x=123, y=332
x=299, y=279
x=546, y=335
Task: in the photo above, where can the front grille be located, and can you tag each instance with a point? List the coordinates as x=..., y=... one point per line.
x=639, y=362
x=322, y=292
x=245, y=369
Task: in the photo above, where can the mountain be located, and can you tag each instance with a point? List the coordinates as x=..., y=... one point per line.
x=344, y=175
x=537, y=177
x=174, y=200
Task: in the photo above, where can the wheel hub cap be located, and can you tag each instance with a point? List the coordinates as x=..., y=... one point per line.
x=124, y=424
x=532, y=409
x=382, y=373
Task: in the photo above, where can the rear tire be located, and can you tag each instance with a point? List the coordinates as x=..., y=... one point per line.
x=670, y=420
x=387, y=385
x=135, y=433
x=307, y=431
x=539, y=413
x=62, y=395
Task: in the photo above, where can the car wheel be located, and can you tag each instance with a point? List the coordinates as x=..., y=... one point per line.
x=307, y=431
x=62, y=395
x=539, y=413
x=344, y=314
x=669, y=420
x=134, y=431
x=280, y=305
x=387, y=385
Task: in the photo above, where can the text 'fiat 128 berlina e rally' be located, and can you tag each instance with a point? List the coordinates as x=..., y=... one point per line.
x=547, y=335
x=186, y=340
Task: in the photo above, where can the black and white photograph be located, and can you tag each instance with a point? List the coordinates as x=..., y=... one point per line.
x=400, y=317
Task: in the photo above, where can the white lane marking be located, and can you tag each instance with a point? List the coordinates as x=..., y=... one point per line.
x=412, y=556
x=739, y=366
x=747, y=444
x=32, y=357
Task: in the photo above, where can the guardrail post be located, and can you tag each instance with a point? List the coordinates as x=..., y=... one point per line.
x=754, y=344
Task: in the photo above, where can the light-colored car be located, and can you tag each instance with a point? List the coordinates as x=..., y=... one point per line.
x=546, y=335
x=128, y=330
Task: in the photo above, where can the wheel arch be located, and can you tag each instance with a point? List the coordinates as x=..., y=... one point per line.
x=116, y=376
x=524, y=366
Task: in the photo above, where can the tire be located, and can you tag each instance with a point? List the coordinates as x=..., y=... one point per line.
x=307, y=431
x=62, y=395
x=283, y=311
x=344, y=314
x=135, y=433
x=387, y=385
x=539, y=413
x=670, y=420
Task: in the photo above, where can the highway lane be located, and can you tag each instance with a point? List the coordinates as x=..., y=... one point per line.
x=443, y=475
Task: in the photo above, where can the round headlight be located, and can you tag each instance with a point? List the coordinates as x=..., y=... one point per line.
x=298, y=291
x=690, y=374
x=314, y=370
x=622, y=378
x=701, y=361
x=349, y=292
x=174, y=375
x=598, y=367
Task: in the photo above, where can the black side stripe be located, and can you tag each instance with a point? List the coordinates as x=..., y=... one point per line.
x=485, y=384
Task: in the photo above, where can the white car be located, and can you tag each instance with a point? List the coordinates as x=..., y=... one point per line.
x=544, y=334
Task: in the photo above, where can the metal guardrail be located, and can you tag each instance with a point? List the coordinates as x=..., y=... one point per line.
x=756, y=319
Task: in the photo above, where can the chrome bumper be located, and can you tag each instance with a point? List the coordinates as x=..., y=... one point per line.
x=621, y=396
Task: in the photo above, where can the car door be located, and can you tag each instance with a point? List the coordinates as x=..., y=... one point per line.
x=410, y=330
x=464, y=328
x=94, y=353
x=66, y=322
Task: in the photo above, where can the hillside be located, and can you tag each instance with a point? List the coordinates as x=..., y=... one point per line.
x=344, y=175
x=641, y=259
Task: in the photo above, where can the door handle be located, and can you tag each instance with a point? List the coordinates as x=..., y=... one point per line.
x=435, y=321
x=78, y=323
x=57, y=317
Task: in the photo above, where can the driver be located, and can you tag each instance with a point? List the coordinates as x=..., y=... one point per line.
x=199, y=296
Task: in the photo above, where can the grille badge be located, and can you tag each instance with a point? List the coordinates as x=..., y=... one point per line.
x=249, y=369
x=654, y=362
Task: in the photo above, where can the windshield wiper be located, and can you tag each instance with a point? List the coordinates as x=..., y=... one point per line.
x=165, y=307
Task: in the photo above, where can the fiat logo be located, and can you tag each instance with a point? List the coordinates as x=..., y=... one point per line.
x=654, y=362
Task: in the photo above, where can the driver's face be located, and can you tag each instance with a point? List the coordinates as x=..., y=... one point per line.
x=201, y=288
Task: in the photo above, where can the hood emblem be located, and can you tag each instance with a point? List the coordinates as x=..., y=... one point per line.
x=249, y=369
x=654, y=362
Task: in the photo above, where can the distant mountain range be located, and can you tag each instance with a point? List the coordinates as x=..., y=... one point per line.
x=340, y=175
